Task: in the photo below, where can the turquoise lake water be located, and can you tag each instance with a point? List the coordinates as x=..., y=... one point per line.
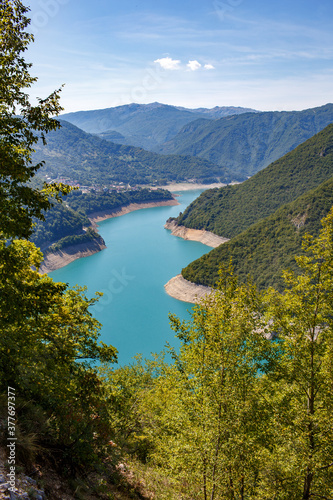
x=141, y=256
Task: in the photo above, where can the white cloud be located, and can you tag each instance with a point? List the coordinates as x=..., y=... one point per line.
x=193, y=65
x=168, y=63
x=175, y=64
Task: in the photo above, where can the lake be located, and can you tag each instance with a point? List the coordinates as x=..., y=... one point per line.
x=141, y=256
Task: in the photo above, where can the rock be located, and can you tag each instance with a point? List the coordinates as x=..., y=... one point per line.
x=181, y=289
x=18, y=496
x=206, y=237
x=4, y=486
x=31, y=481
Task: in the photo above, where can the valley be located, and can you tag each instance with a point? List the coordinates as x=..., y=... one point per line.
x=166, y=270
x=237, y=211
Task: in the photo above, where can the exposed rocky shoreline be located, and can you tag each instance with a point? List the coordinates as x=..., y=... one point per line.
x=178, y=287
x=61, y=258
x=181, y=289
x=108, y=214
x=201, y=235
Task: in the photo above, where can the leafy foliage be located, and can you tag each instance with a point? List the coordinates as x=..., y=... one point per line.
x=300, y=385
x=205, y=418
x=89, y=203
x=236, y=415
x=77, y=239
x=49, y=339
x=18, y=134
x=60, y=222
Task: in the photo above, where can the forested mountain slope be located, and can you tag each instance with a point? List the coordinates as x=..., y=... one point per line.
x=71, y=152
x=269, y=246
x=244, y=144
x=230, y=210
x=144, y=125
x=60, y=222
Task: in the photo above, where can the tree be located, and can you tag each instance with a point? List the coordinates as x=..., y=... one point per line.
x=300, y=387
x=207, y=419
x=49, y=339
x=21, y=126
x=236, y=416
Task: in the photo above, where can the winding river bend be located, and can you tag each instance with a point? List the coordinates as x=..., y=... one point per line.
x=141, y=256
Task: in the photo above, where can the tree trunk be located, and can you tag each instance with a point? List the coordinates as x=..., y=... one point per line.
x=311, y=402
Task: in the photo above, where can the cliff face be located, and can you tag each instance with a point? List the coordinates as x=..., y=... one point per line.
x=201, y=235
x=61, y=258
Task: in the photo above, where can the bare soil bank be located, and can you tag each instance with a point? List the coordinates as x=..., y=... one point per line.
x=188, y=186
x=96, y=217
x=205, y=237
x=181, y=289
x=61, y=258
x=178, y=287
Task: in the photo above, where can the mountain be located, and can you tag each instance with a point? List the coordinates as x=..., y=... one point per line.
x=85, y=158
x=266, y=216
x=230, y=210
x=269, y=246
x=220, y=111
x=113, y=136
x=144, y=125
x=246, y=143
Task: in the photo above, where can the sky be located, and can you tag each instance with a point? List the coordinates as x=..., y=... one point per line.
x=263, y=54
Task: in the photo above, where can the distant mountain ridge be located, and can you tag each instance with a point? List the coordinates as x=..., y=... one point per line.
x=220, y=111
x=246, y=143
x=87, y=159
x=144, y=125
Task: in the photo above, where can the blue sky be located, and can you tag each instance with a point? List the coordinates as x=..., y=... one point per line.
x=267, y=55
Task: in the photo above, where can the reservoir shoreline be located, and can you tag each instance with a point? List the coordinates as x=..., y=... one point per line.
x=56, y=260
x=186, y=291
x=178, y=287
x=61, y=258
x=206, y=237
x=96, y=217
x=141, y=256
